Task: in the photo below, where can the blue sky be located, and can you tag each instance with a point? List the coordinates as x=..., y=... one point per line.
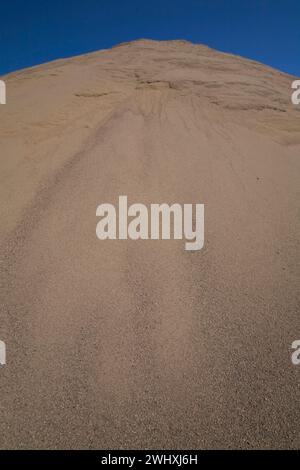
x=36, y=31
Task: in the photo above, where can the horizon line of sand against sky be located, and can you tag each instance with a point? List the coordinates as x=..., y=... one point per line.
x=144, y=41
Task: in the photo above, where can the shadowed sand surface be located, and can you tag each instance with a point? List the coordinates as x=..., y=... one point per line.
x=141, y=344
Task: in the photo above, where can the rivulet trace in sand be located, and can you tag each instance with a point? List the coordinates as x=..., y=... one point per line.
x=135, y=344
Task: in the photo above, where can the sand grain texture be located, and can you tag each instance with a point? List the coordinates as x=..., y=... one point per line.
x=140, y=344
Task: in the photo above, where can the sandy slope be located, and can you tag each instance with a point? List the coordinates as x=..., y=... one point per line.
x=140, y=344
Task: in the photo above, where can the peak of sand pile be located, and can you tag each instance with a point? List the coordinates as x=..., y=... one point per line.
x=65, y=101
x=258, y=95
x=123, y=344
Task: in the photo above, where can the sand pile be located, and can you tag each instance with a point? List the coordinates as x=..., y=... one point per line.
x=141, y=344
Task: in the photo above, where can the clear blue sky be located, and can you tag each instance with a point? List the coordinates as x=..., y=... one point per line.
x=36, y=31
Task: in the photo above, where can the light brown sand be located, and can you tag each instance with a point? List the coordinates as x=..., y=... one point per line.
x=141, y=344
